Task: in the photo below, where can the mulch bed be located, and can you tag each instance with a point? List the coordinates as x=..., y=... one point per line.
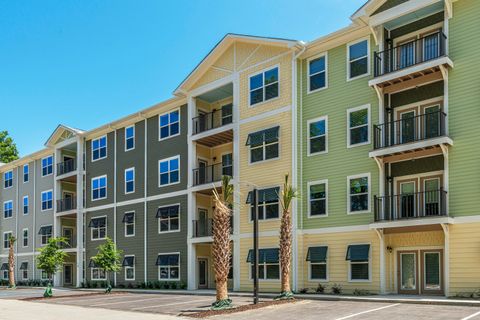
x=73, y=296
x=210, y=313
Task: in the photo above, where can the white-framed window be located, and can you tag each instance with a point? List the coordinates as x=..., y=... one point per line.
x=358, y=59
x=317, y=136
x=26, y=173
x=47, y=166
x=24, y=269
x=99, y=148
x=358, y=193
x=98, y=228
x=6, y=239
x=268, y=264
x=47, y=200
x=130, y=138
x=317, y=263
x=264, y=145
x=98, y=274
x=129, y=180
x=358, y=257
x=129, y=223
x=168, y=218
x=44, y=275
x=25, y=237
x=263, y=86
x=8, y=209
x=318, y=198
x=358, y=126
x=25, y=205
x=317, y=73
x=99, y=188
x=5, y=271
x=129, y=266
x=268, y=204
x=45, y=234
x=169, y=171
x=168, y=266
x=169, y=124
x=8, y=179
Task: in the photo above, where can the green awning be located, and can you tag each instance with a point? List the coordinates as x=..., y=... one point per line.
x=317, y=254
x=267, y=136
x=45, y=230
x=264, y=255
x=24, y=266
x=4, y=267
x=128, y=262
x=265, y=195
x=97, y=222
x=168, y=260
x=92, y=264
x=358, y=253
x=128, y=217
x=166, y=212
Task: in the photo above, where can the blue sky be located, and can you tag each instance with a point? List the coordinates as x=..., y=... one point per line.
x=86, y=63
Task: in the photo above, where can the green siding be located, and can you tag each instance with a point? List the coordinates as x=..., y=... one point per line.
x=340, y=161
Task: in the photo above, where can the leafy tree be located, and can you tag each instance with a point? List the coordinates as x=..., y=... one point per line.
x=108, y=259
x=8, y=148
x=51, y=259
x=11, y=262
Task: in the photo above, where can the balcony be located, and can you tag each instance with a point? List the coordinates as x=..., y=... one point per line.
x=66, y=167
x=212, y=173
x=426, y=204
x=213, y=128
x=67, y=204
x=204, y=228
x=410, y=133
x=69, y=243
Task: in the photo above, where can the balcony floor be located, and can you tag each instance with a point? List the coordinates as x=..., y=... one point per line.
x=408, y=150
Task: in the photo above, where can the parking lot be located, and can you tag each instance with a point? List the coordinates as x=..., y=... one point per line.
x=145, y=305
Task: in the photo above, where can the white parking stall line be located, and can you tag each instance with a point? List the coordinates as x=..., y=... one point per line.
x=90, y=298
x=170, y=304
x=472, y=316
x=126, y=301
x=368, y=311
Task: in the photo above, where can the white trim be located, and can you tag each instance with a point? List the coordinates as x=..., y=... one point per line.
x=169, y=124
x=264, y=147
x=411, y=146
x=97, y=279
x=369, y=125
x=367, y=38
x=41, y=235
x=23, y=238
x=318, y=119
x=263, y=71
x=249, y=206
x=265, y=266
x=106, y=187
x=4, y=233
x=313, y=183
x=91, y=228
x=125, y=180
x=4, y=180
x=23, y=205
x=27, y=165
x=363, y=175
x=328, y=230
x=179, y=171
x=41, y=200
x=125, y=138
x=106, y=148
x=41, y=165
x=315, y=57
x=125, y=224
x=179, y=214
x=179, y=266
x=5, y=202
x=128, y=267
x=264, y=115
x=309, y=265
x=369, y=264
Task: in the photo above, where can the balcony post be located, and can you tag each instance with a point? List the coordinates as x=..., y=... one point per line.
x=381, y=180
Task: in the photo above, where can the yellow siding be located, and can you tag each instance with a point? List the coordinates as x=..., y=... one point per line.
x=210, y=76
x=226, y=60
x=337, y=266
x=221, y=150
x=243, y=51
x=263, y=53
x=205, y=251
x=205, y=202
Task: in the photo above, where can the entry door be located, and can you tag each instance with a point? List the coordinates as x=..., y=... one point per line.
x=202, y=171
x=431, y=196
x=407, y=200
x=202, y=273
x=432, y=122
x=68, y=235
x=68, y=198
x=67, y=274
x=202, y=222
x=408, y=126
x=432, y=271
x=407, y=272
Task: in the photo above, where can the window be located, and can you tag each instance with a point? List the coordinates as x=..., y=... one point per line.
x=8, y=179
x=98, y=228
x=24, y=269
x=130, y=180
x=129, y=138
x=169, y=124
x=99, y=148
x=358, y=256
x=169, y=171
x=168, y=218
x=45, y=234
x=264, y=144
x=317, y=258
x=99, y=188
x=8, y=209
x=227, y=164
x=98, y=274
x=317, y=198
x=47, y=166
x=26, y=172
x=129, y=265
x=358, y=59
x=358, y=193
x=268, y=204
x=317, y=73
x=317, y=136
x=4, y=270
x=47, y=200
x=358, y=126
x=227, y=114
x=6, y=239
x=268, y=264
x=44, y=275
x=264, y=86
x=25, y=237
x=129, y=223
x=168, y=266
x=25, y=205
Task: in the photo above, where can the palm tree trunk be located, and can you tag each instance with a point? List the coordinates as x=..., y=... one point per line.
x=286, y=250
x=221, y=248
x=11, y=265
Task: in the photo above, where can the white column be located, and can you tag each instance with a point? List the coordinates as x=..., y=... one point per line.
x=381, y=238
x=236, y=180
x=191, y=250
x=446, y=259
x=80, y=212
x=57, y=194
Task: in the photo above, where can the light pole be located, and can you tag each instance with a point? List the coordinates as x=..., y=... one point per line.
x=255, y=245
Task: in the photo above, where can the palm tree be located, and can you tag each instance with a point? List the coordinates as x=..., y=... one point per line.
x=11, y=262
x=221, y=242
x=287, y=195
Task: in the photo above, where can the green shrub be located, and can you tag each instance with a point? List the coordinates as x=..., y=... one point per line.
x=183, y=285
x=321, y=288
x=94, y=284
x=336, y=289
x=173, y=285
x=361, y=292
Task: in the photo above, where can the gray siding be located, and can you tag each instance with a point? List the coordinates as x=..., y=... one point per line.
x=42, y=218
x=421, y=93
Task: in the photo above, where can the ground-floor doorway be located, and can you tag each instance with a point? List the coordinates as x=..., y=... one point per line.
x=420, y=271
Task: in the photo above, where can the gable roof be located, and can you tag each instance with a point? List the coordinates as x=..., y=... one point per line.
x=366, y=10
x=62, y=130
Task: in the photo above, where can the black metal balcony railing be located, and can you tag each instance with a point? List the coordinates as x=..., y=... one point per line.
x=66, y=167
x=70, y=244
x=430, y=47
x=211, y=120
x=204, y=228
x=409, y=129
x=66, y=204
x=411, y=206
x=212, y=173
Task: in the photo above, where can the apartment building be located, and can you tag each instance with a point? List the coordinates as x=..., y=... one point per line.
x=371, y=122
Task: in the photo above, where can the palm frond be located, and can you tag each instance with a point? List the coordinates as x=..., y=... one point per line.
x=288, y=194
